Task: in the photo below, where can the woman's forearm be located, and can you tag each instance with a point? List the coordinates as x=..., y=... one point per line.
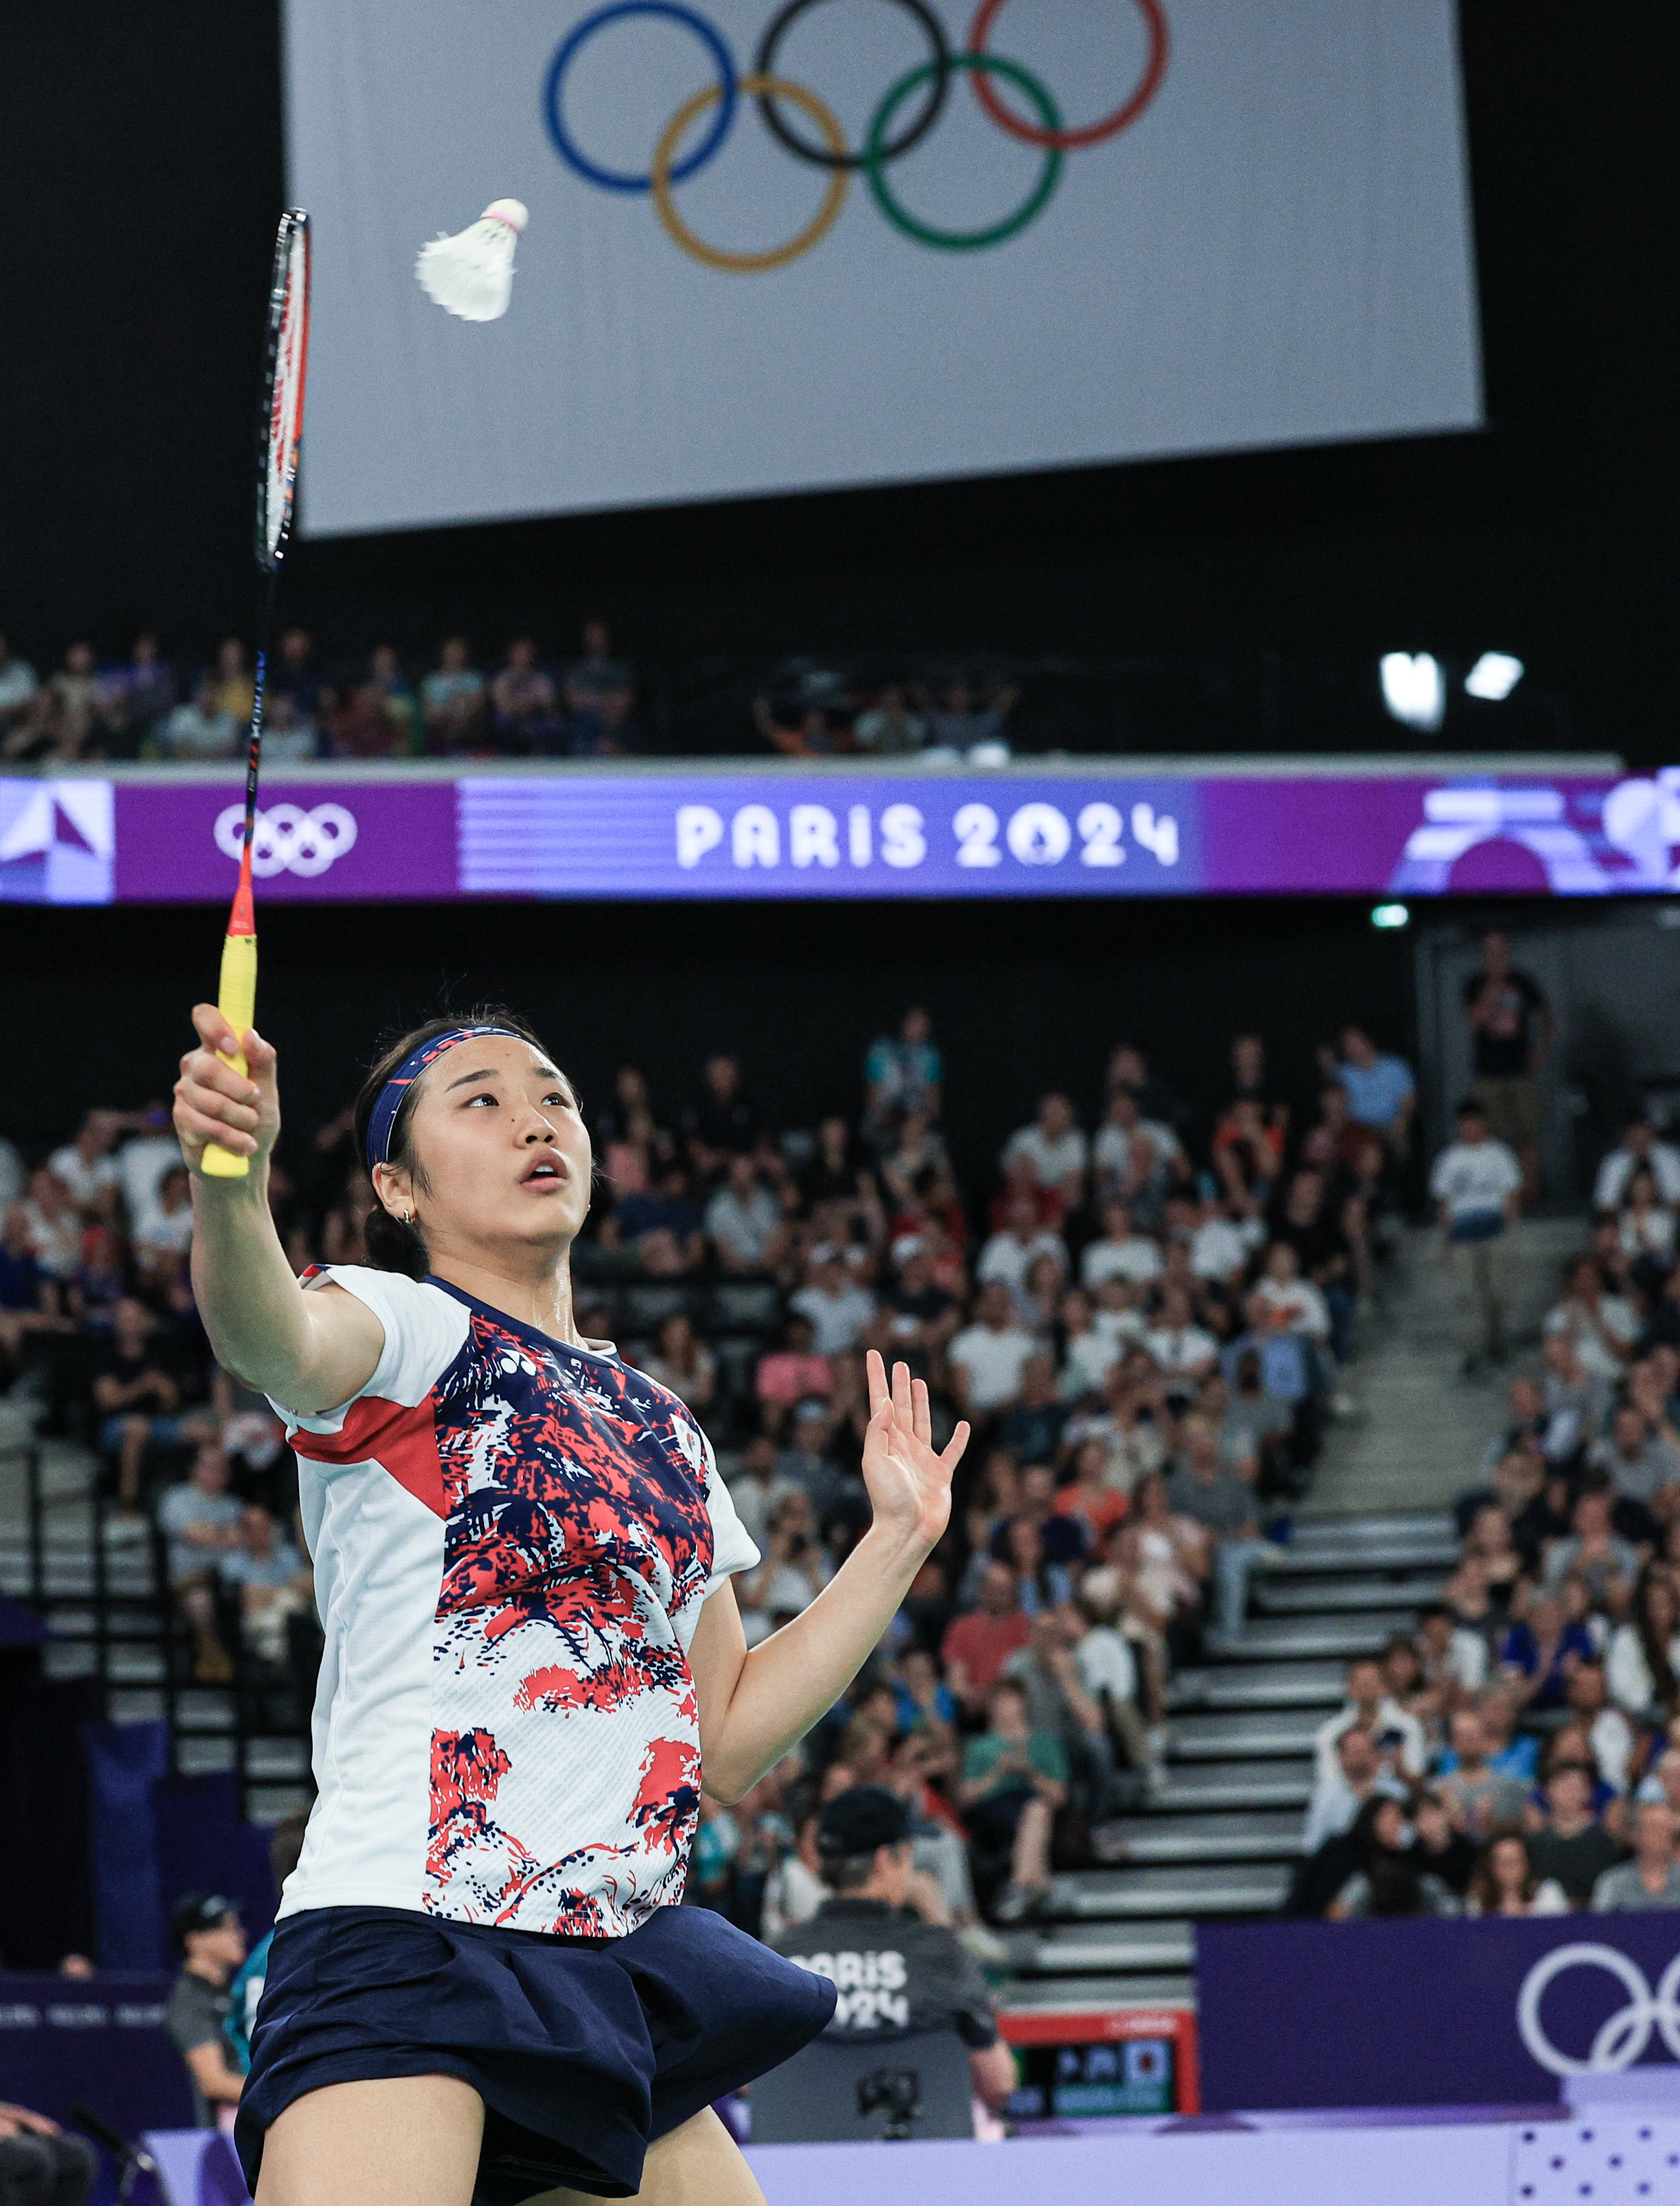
x=251, y=1305
x=786, y=1683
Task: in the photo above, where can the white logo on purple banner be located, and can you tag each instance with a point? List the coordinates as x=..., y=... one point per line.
x=1623, y=2036
x=287, y=839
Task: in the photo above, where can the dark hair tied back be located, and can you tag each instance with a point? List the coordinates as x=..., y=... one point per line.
x=391, y=1245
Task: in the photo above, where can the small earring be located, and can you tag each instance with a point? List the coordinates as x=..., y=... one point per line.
x=408, y=1217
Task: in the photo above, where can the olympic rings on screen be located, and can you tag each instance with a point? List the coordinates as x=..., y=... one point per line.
x=615, y=180
x=778, y=256
x=287, y=839
x=965, y=241
x=1092, y=133
x=930, y=79
x=914, y=132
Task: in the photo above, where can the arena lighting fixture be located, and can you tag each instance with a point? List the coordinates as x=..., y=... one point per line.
x=1391, y=914
x=1414, y=688
x=1495, y=676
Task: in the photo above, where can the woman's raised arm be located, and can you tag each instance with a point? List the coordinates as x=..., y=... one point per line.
x=310, y=1351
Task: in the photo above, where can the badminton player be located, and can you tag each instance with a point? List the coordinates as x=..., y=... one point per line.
x=481, y=1986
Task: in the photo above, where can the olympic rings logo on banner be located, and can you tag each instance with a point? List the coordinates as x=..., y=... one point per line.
x=908, y=110
x=1624, y=2035
x=287, y=839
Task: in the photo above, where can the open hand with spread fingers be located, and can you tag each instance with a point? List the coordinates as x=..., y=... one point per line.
x=908, y=1481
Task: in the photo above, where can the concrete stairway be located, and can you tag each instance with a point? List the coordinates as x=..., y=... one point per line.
x=1220, y=1836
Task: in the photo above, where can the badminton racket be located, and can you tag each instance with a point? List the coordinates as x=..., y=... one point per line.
x=279, y=432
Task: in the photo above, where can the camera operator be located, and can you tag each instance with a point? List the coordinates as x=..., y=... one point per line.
x=896, y=1976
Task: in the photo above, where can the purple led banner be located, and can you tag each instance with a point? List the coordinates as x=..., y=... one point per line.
x=657, y=832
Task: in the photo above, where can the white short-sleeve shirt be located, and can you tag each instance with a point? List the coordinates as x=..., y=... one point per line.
x=512, y=1541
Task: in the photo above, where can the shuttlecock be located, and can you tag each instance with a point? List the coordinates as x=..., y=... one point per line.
x=471, y=274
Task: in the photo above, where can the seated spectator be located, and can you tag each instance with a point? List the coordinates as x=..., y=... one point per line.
x=1609, y=1734
x=1601, y=1326
x=837, y=1308
x=1642, y=1467
x=199, y=730
x=199, y=1519
x=1572, y=1848
x=1176, y=1344
x=1010, y=1253
x=794, y=1373
x=1057, y=1699
x=1062, y=1535
x=1538, y=1653
x=1357, y=1769
x=1122, y=1253
x=1608, y=1565
x=889, y=729
x=1389, y=1878
x=1651, y=1881
x=273, y=1582
x=1645, y=1228
x=903, y=1072
x=1511, y=1753
x=38, y=2160
x=986, y=1359
x=1643, y=1662
x=1291, y=1303
x=290, y=737
x=524, y=703
x=1108, y=1670
x=452, y=701
x=139, y=1399
x=1223, y=1240
x=1381, y=1090
x=722, y=1121
x=18, y=685
x=743, y=1220
x=682, y=1362
x=1054, y=1150
x=1639, y=1150
x=1135, y=1160
x=365, y=725
x=1369, y=1707
x=1442, y=1850
x=1014, y=1780
x=921, y=1316
x=598, y=691
x=85, y=1167
x=794, y=1570
x=162, y=1233
x=977, y=1645
x=1202, y=1489
x=206, y=1930
x=759, y=1488
x=1091, y=1498
x=1508, y=1882
x=806, y=1462
x=1453, y=1659
x=1041, y=1582
x=1031, y=1430
x=663, y=1225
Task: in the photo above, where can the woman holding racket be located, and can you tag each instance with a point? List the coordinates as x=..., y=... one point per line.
x=481, y=1986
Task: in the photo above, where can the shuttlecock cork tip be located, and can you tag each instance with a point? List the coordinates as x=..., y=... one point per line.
x=512, y=211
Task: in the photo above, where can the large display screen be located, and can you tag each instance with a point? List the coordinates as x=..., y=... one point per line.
x=777, y=244
x=358, y=836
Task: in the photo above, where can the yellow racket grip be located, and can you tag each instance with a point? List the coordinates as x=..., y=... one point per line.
x=237, y=1000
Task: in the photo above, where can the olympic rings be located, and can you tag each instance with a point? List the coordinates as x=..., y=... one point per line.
x=931, y=79
x=765, y=62
x=287, y=839
x=1069, y=141
x=615, y=179
x=968, y=241
x=777, y=256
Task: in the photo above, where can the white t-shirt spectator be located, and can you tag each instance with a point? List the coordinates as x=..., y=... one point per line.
x=1472, y=1177
x=162, y=1232
x=1628, y=1674
x=1301, y=1306
x=141, y=1164
x=1647, y=1233
x=1619, y=1318
x=1620, y=1167
x=1106, y=1665
x=1137, y=1259
x=745, y=1229
x=1392, y=1717
x=838, y=1321
x=992, y=1362
x=1052, y=1161
x=1180, y=1350
x=185, y=1508
x=1005, y=1258
x=85, y=1182
x=1335, y=1804
x=1219, y=1246
x=1111, y=1151
x=1091, y=1356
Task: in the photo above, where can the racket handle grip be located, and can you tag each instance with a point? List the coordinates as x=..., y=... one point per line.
x=237, y=1000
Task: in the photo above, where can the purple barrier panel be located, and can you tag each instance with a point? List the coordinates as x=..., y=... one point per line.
x=363, y=840
x=99, y=2040
x=1430, y=2013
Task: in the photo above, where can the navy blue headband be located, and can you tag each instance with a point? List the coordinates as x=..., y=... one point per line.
x=391, y=1096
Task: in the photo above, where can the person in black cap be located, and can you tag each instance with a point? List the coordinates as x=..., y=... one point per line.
x=206, y=1930
x=894, y=1973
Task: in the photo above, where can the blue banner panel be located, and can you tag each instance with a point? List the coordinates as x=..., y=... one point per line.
x=1431, y=2013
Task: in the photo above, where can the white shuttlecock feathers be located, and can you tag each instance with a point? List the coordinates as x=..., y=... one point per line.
x=471, y=274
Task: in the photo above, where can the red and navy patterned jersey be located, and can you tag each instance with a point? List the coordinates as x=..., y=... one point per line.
x=512, y=1540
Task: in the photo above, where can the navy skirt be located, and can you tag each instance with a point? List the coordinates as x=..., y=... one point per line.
x=583, y=2050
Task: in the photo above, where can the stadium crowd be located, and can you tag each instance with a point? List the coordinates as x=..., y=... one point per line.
x=1145, y=1321
x=1520, y=1752
x=148, y=708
